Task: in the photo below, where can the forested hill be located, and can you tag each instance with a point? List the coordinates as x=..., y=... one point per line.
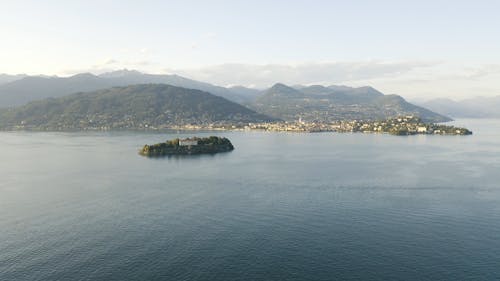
x=324, y=104
x=131, y=107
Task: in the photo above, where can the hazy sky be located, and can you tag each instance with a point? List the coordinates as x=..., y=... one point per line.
x=418, y=49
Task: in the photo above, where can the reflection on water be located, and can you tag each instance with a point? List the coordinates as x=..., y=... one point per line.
x=86, y=206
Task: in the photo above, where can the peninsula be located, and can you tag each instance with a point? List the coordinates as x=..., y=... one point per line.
x=399, y=126
x=188, y=146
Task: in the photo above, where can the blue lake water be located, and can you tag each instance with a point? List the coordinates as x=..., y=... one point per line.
x=86, y=206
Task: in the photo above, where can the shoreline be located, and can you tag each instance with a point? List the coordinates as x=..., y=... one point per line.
x=209, y=130
x=400, y=126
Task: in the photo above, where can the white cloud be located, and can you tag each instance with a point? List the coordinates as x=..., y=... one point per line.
x=109, y=65
x=412, y=79
x=452, y=80
x=304, y=73
x=110, y=62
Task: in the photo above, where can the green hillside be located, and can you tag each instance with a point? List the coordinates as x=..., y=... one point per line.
x=324, y=104
x=132, y=107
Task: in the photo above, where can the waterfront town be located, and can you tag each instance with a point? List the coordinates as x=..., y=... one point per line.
x=404, y=125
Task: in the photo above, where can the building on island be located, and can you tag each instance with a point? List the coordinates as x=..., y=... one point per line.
x=187, y=142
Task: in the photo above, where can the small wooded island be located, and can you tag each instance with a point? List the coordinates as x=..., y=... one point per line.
x=188, y=146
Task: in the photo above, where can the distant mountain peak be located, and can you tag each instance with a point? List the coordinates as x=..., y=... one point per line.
x=84, y=75
x=7, y=78
x=280, y=87
x=120, y=73
x=282, y=90
x=367, y=88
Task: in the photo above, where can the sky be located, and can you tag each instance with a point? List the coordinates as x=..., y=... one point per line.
x=418, y=49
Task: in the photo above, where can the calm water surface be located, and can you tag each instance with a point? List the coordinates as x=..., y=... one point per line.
x=85, y=206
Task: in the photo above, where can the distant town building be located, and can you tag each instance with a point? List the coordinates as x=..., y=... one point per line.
x=422, y=129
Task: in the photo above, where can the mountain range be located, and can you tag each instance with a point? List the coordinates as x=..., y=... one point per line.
x=324, y=104
x=30, y=88
x=309, y=103
x=6, y=78
x=479, y=107
x=130, y=107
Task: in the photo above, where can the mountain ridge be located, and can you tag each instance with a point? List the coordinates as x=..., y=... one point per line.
x=130, y=107
x=477, y=107
x=314, y=102
x=33, y=88
x=325, y=104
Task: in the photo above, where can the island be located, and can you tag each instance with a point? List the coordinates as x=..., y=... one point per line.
x=188, y=146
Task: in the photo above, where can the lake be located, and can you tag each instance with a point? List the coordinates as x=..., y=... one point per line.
x=281, y=206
